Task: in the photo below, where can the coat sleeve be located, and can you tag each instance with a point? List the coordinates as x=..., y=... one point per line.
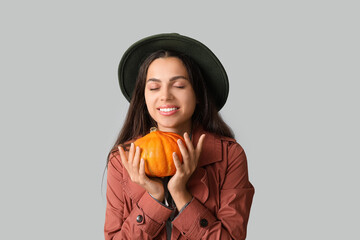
x=236, y=194
x=146, y=219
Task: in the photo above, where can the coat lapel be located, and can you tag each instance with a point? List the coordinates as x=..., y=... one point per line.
x=198, y=185
x=211, y=152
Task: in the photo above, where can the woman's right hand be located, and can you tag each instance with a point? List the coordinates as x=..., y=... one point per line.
x=136, y=170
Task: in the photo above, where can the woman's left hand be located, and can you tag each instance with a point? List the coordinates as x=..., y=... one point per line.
x=177, y=183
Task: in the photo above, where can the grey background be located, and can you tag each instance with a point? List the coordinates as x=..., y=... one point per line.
x=293, y=105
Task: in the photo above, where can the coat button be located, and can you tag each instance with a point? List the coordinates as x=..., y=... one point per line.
x=203, y=222
x=139, y=218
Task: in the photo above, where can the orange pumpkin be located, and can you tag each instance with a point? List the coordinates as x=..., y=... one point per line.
x=157, y=148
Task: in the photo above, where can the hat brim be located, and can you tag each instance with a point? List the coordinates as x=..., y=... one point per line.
x=213, y=71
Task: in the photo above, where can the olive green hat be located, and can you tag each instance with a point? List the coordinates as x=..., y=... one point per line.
x=210, y=66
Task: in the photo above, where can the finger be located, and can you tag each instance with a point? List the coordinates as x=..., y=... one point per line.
x=177, y=162
x=142, y=168
x=184, y=151
x=188, y=142
x=200, y=145
x=131, y=153
x=143, y=176
x=122, y=156
x=136, y=159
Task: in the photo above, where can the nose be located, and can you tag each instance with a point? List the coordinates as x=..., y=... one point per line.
x=166, y=94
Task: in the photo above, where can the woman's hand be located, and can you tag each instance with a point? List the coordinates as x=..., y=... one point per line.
x=177, y=184
x=136, y=170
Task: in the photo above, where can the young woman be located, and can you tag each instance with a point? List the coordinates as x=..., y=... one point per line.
x=179, y=87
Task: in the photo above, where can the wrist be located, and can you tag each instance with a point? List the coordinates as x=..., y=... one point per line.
x=181, y=198
x=159, y=197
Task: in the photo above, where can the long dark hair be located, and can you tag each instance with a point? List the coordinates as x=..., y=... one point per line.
x=138, y=120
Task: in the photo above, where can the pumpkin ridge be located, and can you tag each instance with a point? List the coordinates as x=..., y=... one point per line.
x=151, y=170
x=164, y=151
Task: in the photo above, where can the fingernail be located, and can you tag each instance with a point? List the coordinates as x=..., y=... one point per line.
x=179, y=141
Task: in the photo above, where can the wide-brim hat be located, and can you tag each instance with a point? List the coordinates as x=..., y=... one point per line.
x=212, y=70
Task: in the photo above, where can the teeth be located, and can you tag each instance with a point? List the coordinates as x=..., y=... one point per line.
x=167, y=109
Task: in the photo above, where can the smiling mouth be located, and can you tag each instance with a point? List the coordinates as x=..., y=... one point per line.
x=168, y=109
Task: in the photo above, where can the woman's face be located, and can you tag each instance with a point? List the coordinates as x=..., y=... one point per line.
x=169, y=96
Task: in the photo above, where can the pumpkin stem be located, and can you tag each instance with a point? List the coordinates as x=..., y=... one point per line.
x=153, y=129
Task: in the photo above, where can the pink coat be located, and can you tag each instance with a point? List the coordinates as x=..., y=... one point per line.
x=220, y=208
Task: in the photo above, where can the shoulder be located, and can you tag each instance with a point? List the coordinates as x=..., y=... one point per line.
x=217, y=148
x=233, y=152
x=231, y=149
x=114, y=152
x=114, y=159
x=228, y=143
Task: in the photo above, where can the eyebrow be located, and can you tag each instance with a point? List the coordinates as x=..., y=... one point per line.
x=171, y=79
